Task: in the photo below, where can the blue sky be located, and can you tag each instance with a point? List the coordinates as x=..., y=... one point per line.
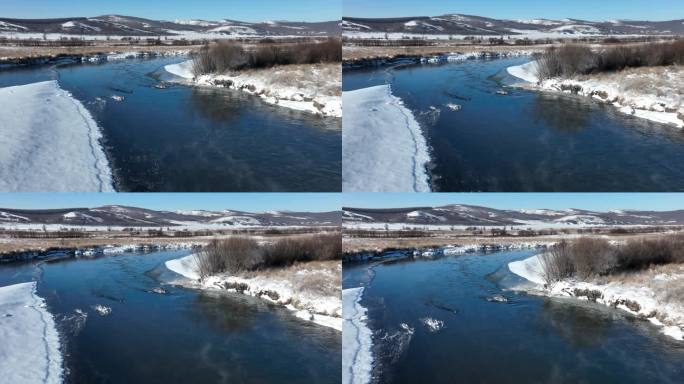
x=243, y=10
x=252, y=202
x=521, y=9
x=591, y=201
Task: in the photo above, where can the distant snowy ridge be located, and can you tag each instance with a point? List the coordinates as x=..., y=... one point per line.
x=29, y=342
x=383, y=146
x=54, y=147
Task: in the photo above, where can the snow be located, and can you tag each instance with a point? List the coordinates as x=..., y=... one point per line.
x=383, y=147
x=527, y=71
x=433, y=325
x=318, y=308
x=651, y=297
x=55, y=147
x=185, y=266
x=357, y=358
x=530, y=269
x=30, y=346
x=83, y=216
x=183, y=69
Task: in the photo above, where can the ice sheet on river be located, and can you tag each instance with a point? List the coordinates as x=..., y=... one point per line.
x=29, y=342
x=357, y=359
x=49, y=142
x=383, y=147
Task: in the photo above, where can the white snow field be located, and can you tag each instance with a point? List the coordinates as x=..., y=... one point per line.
x=646, y=294
x=357, y=358
x=29, y=342
x=652, y=93
x=383, y=147
x=308, y=304
x=312, y=88
x=49, y=142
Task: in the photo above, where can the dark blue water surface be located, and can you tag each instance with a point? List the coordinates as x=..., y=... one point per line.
x=529, y=339
x=170, y=137
x=525, y=140
x=181, y=336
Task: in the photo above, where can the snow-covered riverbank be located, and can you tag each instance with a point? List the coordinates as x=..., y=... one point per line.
x=311, y=290
x=383, y=147
x=29, y=342
x=357, y=358
x=49, y=142
x=649, y=294
x=653, y=93
x=311, y=88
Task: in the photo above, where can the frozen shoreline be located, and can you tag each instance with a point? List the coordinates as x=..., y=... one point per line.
x=357, y=358
x=383, y=146
x=320, y=309
x=30, y=346
x=310, y=93
x=647, y=93
x=640, y=300
x=55, y=147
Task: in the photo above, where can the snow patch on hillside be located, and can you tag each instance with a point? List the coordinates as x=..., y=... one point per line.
x=383, y=147
x=49, y=142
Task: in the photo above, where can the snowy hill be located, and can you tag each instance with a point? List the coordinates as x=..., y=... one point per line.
x=482, y=216
x=117, y=25
x=468, y=25
x=116, y=215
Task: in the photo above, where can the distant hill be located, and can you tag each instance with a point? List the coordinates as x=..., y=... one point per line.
x=469, y=215
x=456, y=24
x=122, y=216
x=117, y=25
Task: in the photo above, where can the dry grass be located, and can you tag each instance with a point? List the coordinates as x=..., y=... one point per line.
x=318, y=79
x=460, y=237
x=321, y=278
x=47, y=52
x=357, y=53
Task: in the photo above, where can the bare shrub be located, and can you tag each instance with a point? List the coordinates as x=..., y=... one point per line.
x=287, y=251
x=592, y=256
x=227, y=55
x=567, y=60
x=557, y=264
x=642, y=253
x=219, y=57
x=231, y=255
x=571, y=59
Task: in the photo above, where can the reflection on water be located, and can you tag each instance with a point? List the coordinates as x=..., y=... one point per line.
x=562, y=112
x=228, y=312
x=580, y=325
